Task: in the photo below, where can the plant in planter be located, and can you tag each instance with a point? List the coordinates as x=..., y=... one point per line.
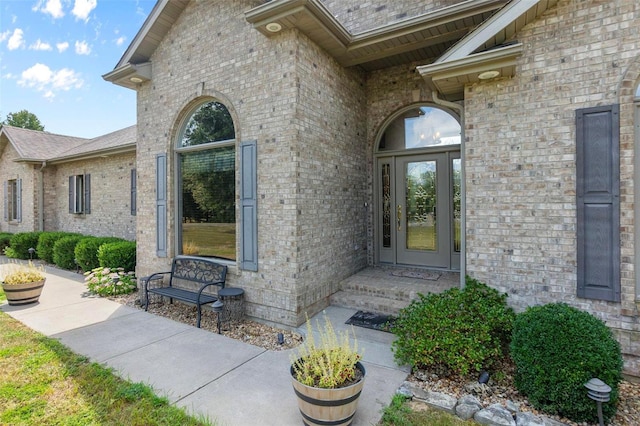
x=22, y=283
x=327, y=377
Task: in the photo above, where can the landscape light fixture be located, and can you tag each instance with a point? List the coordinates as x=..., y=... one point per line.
x=31, y=252
x=600, y=392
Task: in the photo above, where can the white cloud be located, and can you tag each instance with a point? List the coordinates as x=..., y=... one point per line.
x=62, y=46
x=82, y=48
x=16, y=41
x=51, y=7
x=43, y=79
x=120, y=40
x=82, y=9
x=4, y=35
x=40, y=45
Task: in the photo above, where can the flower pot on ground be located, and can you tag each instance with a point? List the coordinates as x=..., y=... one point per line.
x=22, y=283
x=327, y=377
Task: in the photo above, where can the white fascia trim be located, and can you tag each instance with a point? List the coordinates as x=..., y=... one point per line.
x=488, y=29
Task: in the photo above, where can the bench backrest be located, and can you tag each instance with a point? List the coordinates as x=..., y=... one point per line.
x=198, y=270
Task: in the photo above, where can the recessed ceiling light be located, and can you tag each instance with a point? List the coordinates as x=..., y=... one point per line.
x=135, y=80
x=488, y=75
x=273, y=27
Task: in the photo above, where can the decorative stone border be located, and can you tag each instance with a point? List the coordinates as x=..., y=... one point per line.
x=469, y=407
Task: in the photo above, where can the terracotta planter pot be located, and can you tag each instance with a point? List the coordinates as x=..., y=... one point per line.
x=334, y=407
x=23, y=294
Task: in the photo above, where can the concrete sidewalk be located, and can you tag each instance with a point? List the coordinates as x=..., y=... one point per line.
x=230, y=382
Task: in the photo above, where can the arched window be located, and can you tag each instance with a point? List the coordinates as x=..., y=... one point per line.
x=421, y=127
x=206, y=152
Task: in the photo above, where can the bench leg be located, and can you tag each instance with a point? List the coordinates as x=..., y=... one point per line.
x=146, y=300
x=199, y=315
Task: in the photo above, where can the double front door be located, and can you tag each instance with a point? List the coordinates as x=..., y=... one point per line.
x=418, y=210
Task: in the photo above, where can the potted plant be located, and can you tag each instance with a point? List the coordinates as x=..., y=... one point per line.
x=327, y=377
x=22, y=283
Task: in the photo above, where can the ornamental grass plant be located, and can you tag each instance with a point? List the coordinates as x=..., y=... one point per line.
x=19, y=273
x=329, y=363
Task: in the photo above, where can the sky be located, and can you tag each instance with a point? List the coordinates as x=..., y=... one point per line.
x=53, y=54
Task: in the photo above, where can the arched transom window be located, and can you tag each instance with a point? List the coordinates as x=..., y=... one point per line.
x=206, y=152
x=422, y=127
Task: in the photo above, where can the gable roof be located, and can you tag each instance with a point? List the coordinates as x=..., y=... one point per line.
x=35, y=145
x=489, y=49
x=420, y=38
x=38, y=146
x=456, y=43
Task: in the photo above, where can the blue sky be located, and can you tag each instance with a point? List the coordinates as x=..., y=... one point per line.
x=53, y=54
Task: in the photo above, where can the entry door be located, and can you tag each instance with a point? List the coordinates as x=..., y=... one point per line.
x=417, y=225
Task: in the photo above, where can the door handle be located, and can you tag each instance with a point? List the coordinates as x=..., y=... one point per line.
x=399, y=217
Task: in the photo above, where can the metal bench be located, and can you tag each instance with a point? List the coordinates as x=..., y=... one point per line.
x=185, y=271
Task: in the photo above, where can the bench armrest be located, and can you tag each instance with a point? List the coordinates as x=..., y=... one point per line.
x=219, y=283
x=152, y=277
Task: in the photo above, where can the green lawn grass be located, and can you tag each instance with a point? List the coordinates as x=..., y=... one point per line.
x=43, y=383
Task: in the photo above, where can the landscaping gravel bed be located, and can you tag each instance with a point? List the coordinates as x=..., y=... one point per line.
x=497, y=391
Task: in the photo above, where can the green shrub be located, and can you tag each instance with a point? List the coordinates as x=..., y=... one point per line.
x=86, y=251
x=556, y=349
x=121, y=254
x=5, y=238
x=110, y=282
x=46, y=242
x=458, y=331
x=63, y=251
x=20, y=244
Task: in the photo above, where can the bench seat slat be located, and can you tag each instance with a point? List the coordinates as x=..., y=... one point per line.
x=184, y=295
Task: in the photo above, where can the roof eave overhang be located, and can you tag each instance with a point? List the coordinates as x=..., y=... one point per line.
x=101, y=153
x=450, y=77
x=130, y=75
x=312, y=18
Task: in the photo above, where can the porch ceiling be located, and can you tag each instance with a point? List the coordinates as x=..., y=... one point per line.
x=422, y=38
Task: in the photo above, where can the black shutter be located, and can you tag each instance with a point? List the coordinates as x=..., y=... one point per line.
x=87, y=194
x=18, y=200
x=598, y=202
x=248, y=206
x=161, y=205
x=71, y=194
x=134, y=196
x=5, y=185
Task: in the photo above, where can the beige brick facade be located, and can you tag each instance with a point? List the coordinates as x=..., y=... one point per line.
x=110, y=197
x=316, y=124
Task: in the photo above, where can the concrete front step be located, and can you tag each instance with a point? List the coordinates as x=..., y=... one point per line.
x=361, y=302
x=386, y=290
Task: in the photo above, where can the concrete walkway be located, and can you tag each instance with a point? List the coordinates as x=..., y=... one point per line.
x=230, y=382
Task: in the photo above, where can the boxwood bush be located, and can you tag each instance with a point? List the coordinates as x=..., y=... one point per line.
x=63, y=251
x=121, y=254
x=86, y=251
x=5, y=238
x=455, y=332
x=558, y=348
x=20, y=243
x=46, y=241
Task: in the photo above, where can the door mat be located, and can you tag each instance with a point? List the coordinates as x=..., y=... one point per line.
x=372, y=320
x=423, y=275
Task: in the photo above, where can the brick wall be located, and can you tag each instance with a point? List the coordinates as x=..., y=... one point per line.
x=28, y=173
x=280, y=92
x=521, y=153
x=110, y=197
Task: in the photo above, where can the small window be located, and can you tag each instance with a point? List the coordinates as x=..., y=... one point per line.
x=80, y=194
